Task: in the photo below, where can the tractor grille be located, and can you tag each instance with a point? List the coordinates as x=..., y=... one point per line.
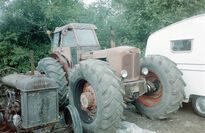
x=131, y=63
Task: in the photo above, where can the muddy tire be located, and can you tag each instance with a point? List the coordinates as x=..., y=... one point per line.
x=106, y=115
x=52, y=69
x=168, y=86
x=198, y=105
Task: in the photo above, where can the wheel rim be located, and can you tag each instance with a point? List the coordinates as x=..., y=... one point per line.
x=200, y=104
x=152, y=99
x=85, y=101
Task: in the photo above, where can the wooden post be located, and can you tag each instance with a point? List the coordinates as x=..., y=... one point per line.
x=112, y=38
x=32, y=61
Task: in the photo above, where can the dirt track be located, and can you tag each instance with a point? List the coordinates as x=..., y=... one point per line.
x=184, y=121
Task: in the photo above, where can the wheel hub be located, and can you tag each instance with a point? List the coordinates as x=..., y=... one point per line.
x=154, y=87
x=87, y=100
x=150, y=88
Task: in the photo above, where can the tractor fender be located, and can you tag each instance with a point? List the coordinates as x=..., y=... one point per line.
x=64, y=62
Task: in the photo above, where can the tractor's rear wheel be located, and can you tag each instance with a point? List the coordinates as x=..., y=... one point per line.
x=52, y=69
x=167, y=88
x=96, y=92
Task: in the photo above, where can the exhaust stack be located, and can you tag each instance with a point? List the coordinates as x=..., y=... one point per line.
x=112, y=38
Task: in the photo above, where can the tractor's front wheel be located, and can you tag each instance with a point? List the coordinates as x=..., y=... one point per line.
x=165, y=85
x=97, y=95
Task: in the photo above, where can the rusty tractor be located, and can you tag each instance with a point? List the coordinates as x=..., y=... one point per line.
x=97, y=83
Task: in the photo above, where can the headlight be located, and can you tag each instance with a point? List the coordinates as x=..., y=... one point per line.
x=145, y=71
x=124, y=73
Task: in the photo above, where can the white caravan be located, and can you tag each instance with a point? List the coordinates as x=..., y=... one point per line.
x=184, y=43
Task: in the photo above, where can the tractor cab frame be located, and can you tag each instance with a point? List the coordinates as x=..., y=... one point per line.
x=73, y=39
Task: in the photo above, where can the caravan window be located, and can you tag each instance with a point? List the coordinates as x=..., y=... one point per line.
x=181, y=45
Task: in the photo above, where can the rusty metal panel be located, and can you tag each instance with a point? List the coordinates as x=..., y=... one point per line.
x=135, y=89
x=137, y=64
x=127, y=64
x=131, y=63
x=39, y=107
x=26, y=82
x=124, y=58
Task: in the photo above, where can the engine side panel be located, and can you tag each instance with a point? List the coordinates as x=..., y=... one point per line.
x=120, y=58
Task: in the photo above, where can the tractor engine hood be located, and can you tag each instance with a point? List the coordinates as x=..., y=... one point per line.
x=120, y=58
x=28, y=83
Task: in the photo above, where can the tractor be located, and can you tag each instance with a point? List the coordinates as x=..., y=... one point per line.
x=99, y=83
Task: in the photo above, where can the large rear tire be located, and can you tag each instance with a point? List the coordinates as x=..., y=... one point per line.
x=168, y=86
x=52, y=69
x=96, y=76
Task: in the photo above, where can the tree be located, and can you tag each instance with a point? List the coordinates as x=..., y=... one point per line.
x=146, y=16
x=24, y=25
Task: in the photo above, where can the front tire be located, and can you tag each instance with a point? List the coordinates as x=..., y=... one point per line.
x=168, y=85
x=106, y=110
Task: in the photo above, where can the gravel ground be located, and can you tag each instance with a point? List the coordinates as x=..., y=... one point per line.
x=183, y=121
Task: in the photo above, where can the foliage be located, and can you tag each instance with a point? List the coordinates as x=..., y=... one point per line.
x=146, y=16
x=23, y=23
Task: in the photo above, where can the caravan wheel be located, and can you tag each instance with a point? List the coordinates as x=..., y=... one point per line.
x=198, y=104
